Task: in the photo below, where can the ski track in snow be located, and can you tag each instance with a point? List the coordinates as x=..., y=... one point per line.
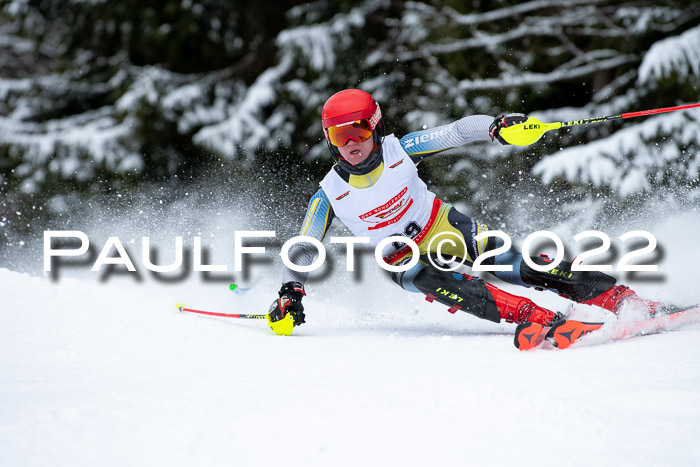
x=112, y=374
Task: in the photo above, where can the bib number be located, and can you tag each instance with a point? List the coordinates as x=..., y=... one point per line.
x=411, y=231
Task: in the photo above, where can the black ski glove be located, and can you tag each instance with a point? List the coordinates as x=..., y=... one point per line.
x=502, y=122
x=289, y=304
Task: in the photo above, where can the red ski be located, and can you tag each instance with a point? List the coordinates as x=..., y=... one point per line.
x=564, y=333
x=530, y=335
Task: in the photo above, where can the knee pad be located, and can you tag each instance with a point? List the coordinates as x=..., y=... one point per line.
x=457, y=292
x=579, y=286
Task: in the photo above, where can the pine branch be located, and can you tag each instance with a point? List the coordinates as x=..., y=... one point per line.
x=560, y=74
x=513, y=11
x=679, y=54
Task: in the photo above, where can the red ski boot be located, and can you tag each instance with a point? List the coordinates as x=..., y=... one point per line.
x=515, y=309
x=616, y=296
x=534, y=322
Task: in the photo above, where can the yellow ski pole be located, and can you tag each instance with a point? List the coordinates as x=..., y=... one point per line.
x=530, y=131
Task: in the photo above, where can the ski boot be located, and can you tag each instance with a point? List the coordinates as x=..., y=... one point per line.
x=618, y=296
x=588, y=287
x=534, y=322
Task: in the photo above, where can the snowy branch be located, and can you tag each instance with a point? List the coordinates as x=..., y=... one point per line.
x=517, y=10
x=69, y=147
x=679, y=54
x=626, y=160
x=532, y=79
x=244, y=126
x=8, y=86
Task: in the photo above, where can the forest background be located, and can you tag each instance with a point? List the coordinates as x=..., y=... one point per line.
x=110, y=104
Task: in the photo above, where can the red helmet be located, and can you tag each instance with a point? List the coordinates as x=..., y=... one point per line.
x=350, y=114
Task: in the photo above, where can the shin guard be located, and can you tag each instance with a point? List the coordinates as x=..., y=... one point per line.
x=458, y=292
x=474, y=296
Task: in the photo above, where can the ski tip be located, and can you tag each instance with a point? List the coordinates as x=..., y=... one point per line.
x=566, y=332
x=529, y=335
x=179, y=306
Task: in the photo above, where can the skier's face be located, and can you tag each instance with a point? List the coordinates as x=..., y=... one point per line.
x=355, y=152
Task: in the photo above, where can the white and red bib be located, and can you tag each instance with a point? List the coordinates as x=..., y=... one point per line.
x=399, y=203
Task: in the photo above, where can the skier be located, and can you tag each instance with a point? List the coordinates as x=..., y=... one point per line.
x=374, y=189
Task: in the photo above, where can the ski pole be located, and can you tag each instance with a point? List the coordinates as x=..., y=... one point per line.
x=532, y=129
x=181, y=307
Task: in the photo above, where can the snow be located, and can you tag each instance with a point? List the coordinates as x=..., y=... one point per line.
x=8, y=86
x=679, y=54
x=110, y=373
x=16, y=6
x=144, y=88
x=314, y=42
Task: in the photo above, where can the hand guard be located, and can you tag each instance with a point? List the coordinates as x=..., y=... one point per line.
x=287, y=311
x=502, y=122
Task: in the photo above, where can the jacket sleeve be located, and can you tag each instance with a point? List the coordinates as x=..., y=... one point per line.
x=425, y=143
x=319, y=216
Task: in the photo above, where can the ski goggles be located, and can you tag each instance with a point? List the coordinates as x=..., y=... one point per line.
x=358, y=130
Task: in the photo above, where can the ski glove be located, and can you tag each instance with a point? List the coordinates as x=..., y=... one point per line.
x=287, y=311
x=502, y=122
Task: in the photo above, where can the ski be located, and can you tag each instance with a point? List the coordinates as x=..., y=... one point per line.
x=564, y=333
x=530, y=335
x=567, y=332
